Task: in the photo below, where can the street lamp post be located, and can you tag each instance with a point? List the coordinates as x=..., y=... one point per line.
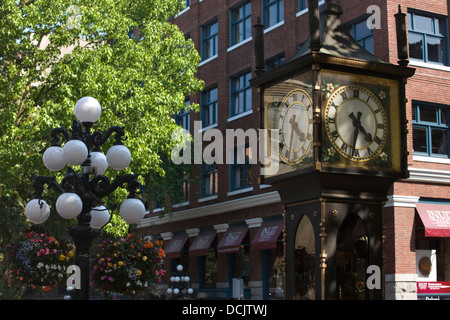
x=81, y=194
x=179, y=287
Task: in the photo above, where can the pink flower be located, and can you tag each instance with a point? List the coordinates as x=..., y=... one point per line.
x=111, y=279
x=103, y=277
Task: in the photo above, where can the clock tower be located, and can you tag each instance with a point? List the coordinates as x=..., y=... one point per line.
x=337, y=113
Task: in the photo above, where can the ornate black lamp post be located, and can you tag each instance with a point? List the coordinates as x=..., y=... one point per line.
x=81, y=194
x=179, y=287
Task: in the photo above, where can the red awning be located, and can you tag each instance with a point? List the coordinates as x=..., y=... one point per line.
x=435, y=218
x=232, y=239
x=267, y=235
x=201, y=244
x=175, y=246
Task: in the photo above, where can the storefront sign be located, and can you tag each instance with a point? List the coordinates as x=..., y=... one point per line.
x=267, y=235
x=231, y=241
x=433, y=290
x=175, y=246
x=201, y=244
x=435, y=218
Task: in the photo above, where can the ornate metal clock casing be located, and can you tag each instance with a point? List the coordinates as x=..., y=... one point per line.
x=361, y=130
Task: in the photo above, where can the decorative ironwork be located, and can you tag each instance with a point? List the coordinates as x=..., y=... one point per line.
x=90, y=187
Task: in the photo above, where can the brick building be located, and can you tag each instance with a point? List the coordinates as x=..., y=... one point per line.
x=229, y=203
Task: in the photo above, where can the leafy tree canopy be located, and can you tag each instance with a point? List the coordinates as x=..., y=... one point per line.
x=126, y=54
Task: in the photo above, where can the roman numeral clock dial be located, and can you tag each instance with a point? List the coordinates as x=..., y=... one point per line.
x=355, y=123
x=295, y=126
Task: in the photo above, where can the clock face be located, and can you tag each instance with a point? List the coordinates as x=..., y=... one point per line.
x=295, y=124
x=355, y=123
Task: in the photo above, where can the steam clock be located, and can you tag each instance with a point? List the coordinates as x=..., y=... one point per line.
x=337, y=114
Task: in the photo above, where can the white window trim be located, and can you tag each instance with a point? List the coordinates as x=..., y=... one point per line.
x=208, y=60
x=213, y=197
x=203, y=129
x=240, y=115
x=430, y=159
x=237, y=45
x=300, y=13
x=275, y=26
x=235, y=192
x=183, y=11
x=429, y=65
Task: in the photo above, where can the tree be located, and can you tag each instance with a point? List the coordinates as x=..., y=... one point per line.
x=126, y=54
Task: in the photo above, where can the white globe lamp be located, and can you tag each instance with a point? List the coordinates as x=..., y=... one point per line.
x=98, y=160
x=99, y=217
x=118, y=157
x=53, y=158
x=75, y=152
x=69, y=205
x=88, y=109
x=132, y=210
x=37, y=211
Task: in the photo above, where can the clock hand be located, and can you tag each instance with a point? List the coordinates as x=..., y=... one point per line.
x=357, y=123
x=355, y=137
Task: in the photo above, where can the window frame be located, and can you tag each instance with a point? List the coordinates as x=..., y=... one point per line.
x=245, y=168
x=413, y=30
x=428, y=126
x=266, y=4
x=183, y=117
x=211, y=38
x=210, y=118
x=352, y=28
x=246, y=89
x=209, y=171
x=241, y=22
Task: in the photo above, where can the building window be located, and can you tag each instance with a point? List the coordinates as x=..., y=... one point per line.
x=273, y=12
x=362, y=34
x=430, y=129
x=240, y=169
x=182, y=118
x=303, y=4
x=428, y=38
x=182, y=194
x=241, y=24
x=274, y=62
x=210, y=40
x=241, y=94
x=209, y=181
x=209, y=107
x=208, y=270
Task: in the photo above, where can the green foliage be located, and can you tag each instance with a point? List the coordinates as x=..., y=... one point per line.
x=53, y=52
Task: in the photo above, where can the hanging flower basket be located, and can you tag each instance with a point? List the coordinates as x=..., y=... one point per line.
x=38, y=260
x=128, y=266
